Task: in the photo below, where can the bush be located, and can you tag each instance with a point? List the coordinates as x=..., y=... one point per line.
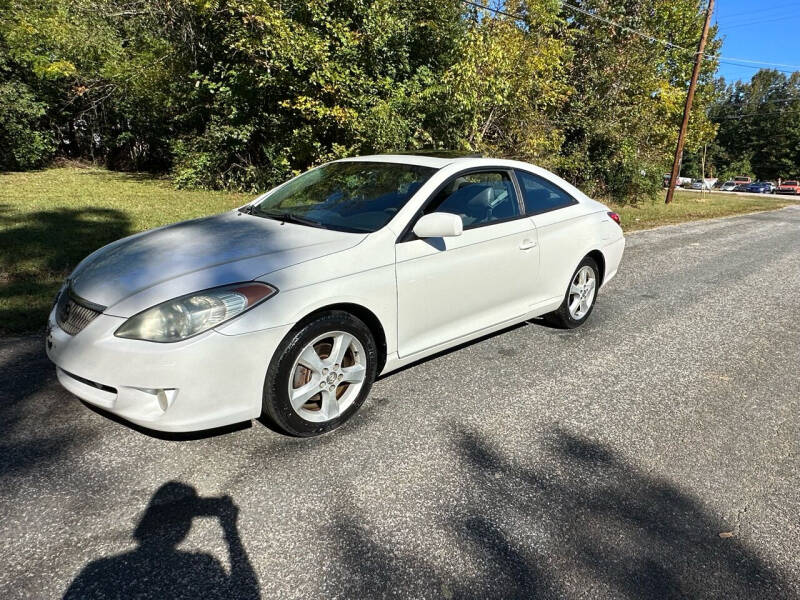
x=24, y=145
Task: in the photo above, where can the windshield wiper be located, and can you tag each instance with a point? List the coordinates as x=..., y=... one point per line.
x=292, y=218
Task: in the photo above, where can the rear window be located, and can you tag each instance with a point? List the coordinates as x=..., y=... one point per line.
x=790, y=183
x=540, y=195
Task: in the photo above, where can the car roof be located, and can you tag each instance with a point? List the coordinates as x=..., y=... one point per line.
x=435, y=160
x=441, y=159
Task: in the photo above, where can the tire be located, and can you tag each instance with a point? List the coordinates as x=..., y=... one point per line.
x=563, y=317
x=294, y=362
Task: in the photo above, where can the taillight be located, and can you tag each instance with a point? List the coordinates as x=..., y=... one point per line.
x=615, y=217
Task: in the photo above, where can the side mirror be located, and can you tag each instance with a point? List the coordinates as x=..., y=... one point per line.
x=438, y=224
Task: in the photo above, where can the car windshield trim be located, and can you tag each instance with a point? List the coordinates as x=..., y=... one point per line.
x=288, y=217
x=350, y=196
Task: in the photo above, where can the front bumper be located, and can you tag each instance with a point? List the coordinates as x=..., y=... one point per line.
x=204, y=382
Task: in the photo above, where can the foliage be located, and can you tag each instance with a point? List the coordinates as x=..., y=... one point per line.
x=243, y=93
x=25, y=146
x=622, y=120
x=759, y=127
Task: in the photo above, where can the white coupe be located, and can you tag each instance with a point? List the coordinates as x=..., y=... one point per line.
x=291, y=306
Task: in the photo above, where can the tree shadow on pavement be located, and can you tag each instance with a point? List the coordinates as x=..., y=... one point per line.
x=574, y=520
x=25, y=370
x=37, y=250
x=157, y=569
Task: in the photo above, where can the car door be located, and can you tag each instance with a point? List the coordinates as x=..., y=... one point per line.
x=450, y=287
x=560, y=222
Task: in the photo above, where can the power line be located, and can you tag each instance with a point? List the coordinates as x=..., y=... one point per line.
x=774, y=113
x=759, y=62
x=751, y=23
x=647, y=36
x=641, y=34
x=624, y=27
x=746, y=115
x=778, y=100
x=761, y=16
x=745, y=66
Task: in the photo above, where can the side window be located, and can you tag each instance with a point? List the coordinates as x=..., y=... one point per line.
x=478, y=198
x=540, y=195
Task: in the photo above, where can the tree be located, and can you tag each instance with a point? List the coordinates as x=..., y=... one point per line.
x=244, y=93
x=759, y=122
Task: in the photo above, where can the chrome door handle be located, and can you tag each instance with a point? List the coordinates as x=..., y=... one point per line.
x=527, y=244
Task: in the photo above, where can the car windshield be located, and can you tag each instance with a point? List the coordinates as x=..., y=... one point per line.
x=351, y=196
x=789, y=183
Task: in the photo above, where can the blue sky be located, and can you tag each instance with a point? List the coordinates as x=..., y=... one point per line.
x=760, y=30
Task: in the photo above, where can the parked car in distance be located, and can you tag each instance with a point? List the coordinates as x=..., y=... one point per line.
x=761, y=187
x=742, y=179
x=703, y=184
x=791, y=187
x=290, y=306
x=728, y=186
x=681, y=182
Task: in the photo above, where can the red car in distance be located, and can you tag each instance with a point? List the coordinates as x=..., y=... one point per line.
x=789, y=187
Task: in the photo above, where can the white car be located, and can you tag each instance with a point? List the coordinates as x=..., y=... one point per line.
x=703, y=184
x=290, y=306
x=728, y=186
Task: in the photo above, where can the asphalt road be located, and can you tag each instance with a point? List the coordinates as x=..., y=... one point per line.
x=599, y=463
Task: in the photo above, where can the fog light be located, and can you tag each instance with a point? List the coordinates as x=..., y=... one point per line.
x=166, y=398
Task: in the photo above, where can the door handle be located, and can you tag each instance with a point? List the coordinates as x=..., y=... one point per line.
x=527, y=244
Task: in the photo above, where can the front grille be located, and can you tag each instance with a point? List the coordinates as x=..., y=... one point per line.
x=72, y=314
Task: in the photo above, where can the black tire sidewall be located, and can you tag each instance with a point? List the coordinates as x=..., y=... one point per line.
x=276, y=405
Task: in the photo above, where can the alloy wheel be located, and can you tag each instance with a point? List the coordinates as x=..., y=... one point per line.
x=327, y=376
x=581, y=293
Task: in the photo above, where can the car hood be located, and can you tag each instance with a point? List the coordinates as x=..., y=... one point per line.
x=193, y=255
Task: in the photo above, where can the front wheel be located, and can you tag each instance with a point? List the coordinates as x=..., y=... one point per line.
x=320, y=375
x=579, y=299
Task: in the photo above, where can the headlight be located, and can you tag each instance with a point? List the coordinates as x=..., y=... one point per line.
x=195, y=313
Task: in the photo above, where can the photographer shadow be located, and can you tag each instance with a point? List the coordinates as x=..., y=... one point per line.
x=157, y=569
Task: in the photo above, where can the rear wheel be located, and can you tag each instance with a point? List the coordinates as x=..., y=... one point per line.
x=579, y=298
x=320, y=375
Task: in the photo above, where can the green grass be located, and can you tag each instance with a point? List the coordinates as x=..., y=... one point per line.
x=692, y=206
x=51, y=219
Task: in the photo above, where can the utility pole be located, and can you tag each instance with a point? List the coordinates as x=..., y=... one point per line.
x=676, y=165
